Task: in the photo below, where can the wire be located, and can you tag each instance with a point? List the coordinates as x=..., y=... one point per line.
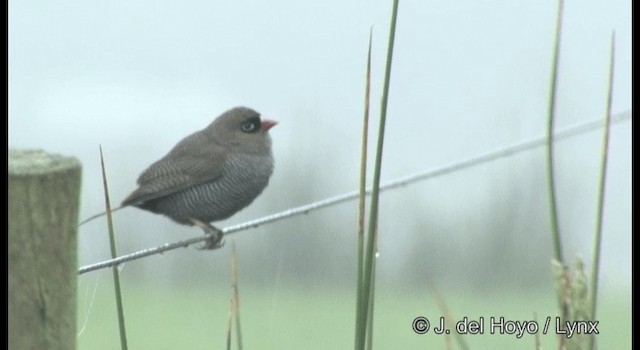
x=522, y=146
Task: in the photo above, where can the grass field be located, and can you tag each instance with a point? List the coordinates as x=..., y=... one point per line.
x=195, y=318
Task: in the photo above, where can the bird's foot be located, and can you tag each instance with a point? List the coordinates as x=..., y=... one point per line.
x=215, y=239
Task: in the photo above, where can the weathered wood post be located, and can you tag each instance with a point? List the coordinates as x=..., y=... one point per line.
x=44, y=198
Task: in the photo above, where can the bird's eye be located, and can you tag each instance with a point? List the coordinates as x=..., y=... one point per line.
x=248, y=126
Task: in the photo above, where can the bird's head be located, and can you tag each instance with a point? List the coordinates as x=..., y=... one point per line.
x=242, y=130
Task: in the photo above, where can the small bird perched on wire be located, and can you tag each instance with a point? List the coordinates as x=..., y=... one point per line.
x=211, y=174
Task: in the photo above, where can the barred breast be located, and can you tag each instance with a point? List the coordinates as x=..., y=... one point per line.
x=244, y=177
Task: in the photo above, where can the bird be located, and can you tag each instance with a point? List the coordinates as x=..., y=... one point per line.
x=211, y=174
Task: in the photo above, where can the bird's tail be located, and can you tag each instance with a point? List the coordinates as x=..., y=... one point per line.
x=99, y=215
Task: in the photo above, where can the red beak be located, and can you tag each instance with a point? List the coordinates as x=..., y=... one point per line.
x=267, y=124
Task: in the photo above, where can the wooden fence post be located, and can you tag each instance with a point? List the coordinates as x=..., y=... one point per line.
x=44, y=199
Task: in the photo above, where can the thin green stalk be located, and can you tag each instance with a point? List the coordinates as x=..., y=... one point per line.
x=112, y=242
x=553, y=209
x=363, y=183
x=234, y=302
x=601, y=191
x=236, y=294
x=555, y=230
x=229, y=323
x=448, y=316
x=373, y=213
x=372, y=295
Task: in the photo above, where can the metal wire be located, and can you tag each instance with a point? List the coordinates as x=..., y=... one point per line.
x=562, y=134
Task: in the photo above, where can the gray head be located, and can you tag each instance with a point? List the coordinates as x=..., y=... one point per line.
x=240, y=130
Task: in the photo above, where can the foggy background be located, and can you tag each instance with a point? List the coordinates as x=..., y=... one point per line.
x=468, y=77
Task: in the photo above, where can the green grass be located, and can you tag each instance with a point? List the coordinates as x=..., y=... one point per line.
x=195, y=318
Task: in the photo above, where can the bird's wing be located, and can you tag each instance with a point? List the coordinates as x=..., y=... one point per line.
x=191, y=162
